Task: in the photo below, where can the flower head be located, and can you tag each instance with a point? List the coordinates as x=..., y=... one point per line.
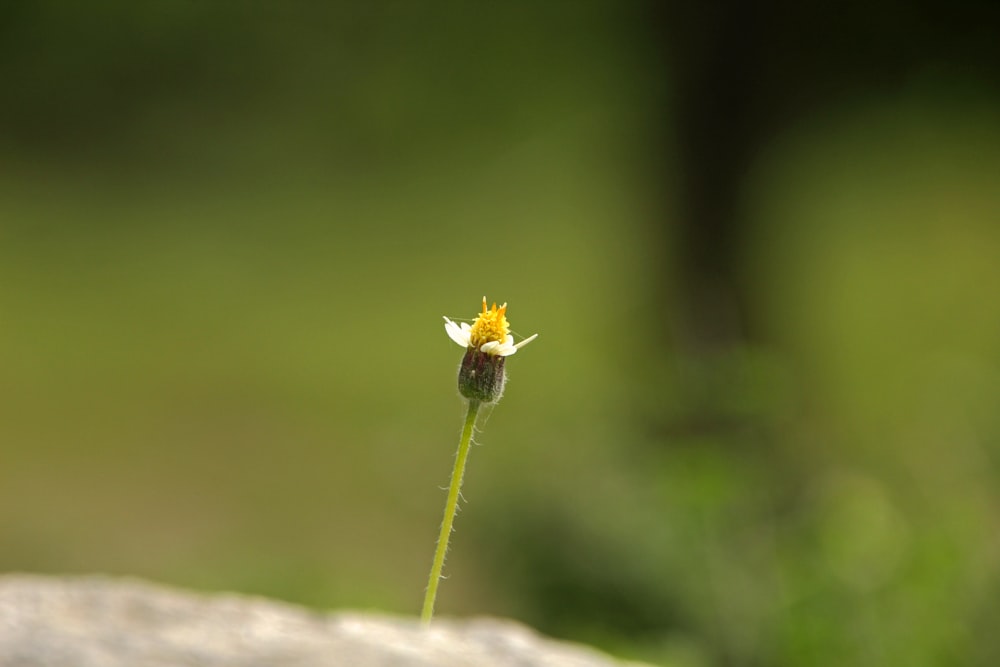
x=487, y=342
x=489, y=333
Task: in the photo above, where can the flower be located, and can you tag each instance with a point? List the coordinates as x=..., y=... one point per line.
x=489, y=333
x=487, y=342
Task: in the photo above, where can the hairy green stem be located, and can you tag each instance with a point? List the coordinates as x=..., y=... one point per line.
x=449, y=512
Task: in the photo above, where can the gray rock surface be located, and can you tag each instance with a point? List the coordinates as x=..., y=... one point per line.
x=112, y=622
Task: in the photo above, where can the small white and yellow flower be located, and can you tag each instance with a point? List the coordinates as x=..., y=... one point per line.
x=481, y=376
x=489, y=333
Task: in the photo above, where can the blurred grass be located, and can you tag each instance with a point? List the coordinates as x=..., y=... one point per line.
x=222, y=362
x=237, y=387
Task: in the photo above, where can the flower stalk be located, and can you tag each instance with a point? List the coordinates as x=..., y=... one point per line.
x=450, y=507
x=481, y=377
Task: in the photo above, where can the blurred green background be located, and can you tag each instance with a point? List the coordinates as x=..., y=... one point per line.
x=760, y=245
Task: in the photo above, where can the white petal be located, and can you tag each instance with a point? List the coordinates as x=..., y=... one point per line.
x=506, y=348
x=526, y=340
x=491, y=347
x=456, y=333
x=498, y=349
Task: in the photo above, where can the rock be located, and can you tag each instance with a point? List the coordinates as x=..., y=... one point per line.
x=110, y=622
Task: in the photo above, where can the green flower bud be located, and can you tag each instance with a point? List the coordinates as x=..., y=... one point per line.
x=488, y=343
x=481, y=377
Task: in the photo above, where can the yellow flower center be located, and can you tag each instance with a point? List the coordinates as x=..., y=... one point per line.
x=491, y=325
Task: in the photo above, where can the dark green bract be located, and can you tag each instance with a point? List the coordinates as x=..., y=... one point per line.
x=481, y=376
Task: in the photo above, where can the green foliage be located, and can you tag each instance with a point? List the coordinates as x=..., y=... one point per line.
x=226, y=242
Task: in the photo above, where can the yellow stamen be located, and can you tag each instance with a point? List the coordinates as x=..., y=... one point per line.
x=491, y=325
